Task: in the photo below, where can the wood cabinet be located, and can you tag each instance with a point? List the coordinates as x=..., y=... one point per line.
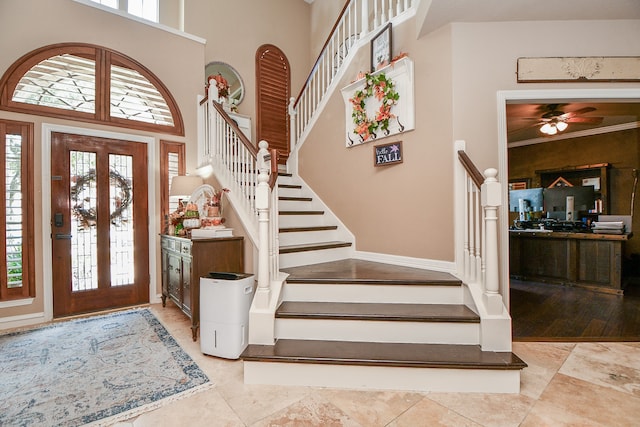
x=184, y=261
x=578, y=259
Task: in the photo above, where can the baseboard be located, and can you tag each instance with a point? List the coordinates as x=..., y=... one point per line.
x=21, y=320
x=425, y=264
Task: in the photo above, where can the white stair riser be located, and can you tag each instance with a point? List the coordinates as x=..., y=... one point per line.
x=398, y=294
x=299, y=205
x=290, y=192
x=302, y=221
x=378, y=331
x=383, y=378
x=315, y=257
x=306, y=237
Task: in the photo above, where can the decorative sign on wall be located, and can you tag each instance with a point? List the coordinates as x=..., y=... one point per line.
x=381, y=104
x=381, y=48
x=387, y=154
x=579, y=69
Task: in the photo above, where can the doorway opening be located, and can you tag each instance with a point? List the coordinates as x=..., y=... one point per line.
x=581, y=314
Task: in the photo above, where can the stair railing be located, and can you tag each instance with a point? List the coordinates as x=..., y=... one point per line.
x=250, y=173
x=482, y=197
x=357, y=23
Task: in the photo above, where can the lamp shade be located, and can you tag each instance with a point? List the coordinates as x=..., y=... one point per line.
x=184, y=185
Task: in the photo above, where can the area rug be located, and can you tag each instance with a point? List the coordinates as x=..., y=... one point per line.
x=96, y=371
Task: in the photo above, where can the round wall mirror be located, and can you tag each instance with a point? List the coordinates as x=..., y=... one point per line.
x=236, y=86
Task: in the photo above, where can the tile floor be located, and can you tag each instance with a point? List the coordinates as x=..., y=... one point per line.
x=566, y=384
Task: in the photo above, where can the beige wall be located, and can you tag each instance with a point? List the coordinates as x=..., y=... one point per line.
x=235, y=29
x=404, y=209
x=323, y=15
x=407, y=209
x=484, y=62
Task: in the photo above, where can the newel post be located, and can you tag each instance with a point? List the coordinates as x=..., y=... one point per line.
x=263, y=291
x=491, y=199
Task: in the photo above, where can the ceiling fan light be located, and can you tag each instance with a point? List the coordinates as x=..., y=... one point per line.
x=552, y=130
x=561, y=126
x=546, y=128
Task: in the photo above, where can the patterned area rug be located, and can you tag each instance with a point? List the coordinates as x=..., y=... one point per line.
x=94, y=371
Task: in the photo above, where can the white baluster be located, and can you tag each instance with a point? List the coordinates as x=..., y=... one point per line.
x=478, y=230
x=467, y=211
x=292, y=123
x=364, y=17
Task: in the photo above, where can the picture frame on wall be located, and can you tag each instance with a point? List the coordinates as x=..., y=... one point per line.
x=387, y=154
x=381, y=48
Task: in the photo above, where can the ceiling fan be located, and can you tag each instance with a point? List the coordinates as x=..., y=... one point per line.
x=554, y=120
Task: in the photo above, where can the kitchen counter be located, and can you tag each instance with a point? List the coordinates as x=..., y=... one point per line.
x=586, y=260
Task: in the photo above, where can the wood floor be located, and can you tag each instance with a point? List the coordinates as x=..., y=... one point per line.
x=548, y=312
x=540, y=311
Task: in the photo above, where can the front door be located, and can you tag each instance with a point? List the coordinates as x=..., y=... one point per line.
x=100, y=245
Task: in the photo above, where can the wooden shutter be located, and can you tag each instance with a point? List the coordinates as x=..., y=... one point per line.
x=272, y=99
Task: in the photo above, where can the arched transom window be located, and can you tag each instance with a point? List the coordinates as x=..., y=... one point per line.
x=89, y=83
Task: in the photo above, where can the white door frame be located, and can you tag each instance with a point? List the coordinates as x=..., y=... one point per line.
x=582, y=95
x=47, y=129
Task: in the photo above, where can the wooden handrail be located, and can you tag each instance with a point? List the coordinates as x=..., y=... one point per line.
x=274, y=167
x=326, y=43
x=241, y=136
x=249, y=146
x=471, y=169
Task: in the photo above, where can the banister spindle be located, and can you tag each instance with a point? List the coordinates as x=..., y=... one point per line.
x=364, y=17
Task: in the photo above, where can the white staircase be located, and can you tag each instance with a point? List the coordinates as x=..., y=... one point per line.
x=359, y=324
x=309, y=233
x=320, y=317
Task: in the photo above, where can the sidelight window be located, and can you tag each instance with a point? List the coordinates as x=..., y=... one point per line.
x=16, y=225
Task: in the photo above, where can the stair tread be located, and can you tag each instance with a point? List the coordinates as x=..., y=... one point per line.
x=313, y=247
x=313, y=228
x=300, y=212
x=297, y=187
x=357, y=271
x=295, y=199
x=383, y=354
x=377, y=311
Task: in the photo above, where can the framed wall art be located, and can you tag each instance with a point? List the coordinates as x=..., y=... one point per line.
x=387, y=154
x=381, y=48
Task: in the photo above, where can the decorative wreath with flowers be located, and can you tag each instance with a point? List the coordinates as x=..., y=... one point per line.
x=383, y=89
x=221, y=84
x=88, y=216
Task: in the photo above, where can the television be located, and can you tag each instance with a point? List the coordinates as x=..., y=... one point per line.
x=555, y=201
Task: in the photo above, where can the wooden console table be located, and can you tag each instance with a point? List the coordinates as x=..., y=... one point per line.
x=184, y=261
x=578, y=259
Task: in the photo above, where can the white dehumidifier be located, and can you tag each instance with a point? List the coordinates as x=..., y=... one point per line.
x=225, y=300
